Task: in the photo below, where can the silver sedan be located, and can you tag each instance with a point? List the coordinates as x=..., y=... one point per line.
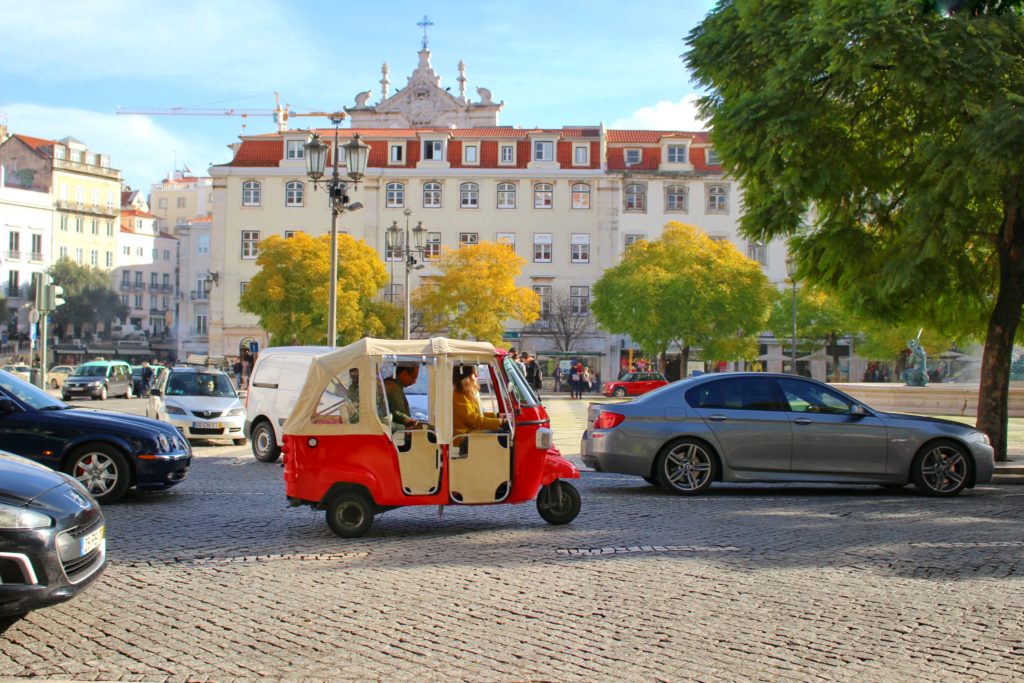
x=760, y=427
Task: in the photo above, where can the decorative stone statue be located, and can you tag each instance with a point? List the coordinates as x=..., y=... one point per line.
x=917, y=374
x=485, y=95
x=362, y=98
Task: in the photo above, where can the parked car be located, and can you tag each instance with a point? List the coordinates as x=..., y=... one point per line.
x=201, y=402
x=99, y=379
x=274, y=385
x=127, y=332
x=747, y=427
x=108, y=452
x=19, y=369
x=56, y=375
x=634, y=384
x=52, y=538
x=137, y=388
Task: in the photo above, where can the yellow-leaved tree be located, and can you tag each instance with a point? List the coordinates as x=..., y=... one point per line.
x=475, y=293
x=291, y=292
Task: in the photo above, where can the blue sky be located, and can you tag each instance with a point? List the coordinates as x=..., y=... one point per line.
x=66, y=66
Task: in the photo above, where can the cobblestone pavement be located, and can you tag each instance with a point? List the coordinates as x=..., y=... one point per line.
x=219, y=580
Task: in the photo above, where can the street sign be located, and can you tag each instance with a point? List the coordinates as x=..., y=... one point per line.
x=254, y=347
x=510, y=334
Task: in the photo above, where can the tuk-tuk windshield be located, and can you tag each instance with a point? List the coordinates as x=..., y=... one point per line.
x=517, y=383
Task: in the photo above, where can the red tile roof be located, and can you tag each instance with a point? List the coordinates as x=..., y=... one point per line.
x=652, y=136
x=259, y=153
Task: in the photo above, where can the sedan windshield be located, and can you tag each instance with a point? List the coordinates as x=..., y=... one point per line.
x=91, y=371
x=27, y=393
x=200, y=384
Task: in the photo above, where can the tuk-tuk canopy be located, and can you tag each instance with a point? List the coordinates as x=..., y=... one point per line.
x=367, y=355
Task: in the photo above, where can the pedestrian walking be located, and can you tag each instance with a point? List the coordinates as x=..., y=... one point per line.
x=558, y=379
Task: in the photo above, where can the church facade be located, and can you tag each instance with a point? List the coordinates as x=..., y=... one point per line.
x=568, y=200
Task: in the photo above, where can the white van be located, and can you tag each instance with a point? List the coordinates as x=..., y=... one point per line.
x=274, y=385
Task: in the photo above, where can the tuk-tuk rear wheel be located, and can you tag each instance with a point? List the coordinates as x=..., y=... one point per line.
x=349, y=514
x=558, y=502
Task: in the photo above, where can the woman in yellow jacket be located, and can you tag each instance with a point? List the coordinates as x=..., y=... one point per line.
x=468, y=417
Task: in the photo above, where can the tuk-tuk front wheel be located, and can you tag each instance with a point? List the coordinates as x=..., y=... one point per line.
x=558, y=502
x=350, y=514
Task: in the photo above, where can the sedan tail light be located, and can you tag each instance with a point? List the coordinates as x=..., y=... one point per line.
x=607, y=420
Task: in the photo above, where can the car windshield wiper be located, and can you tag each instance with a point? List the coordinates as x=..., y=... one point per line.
x=56, y=407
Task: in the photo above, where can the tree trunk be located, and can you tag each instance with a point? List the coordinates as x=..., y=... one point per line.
x=832, y=344
x=684, y=362
x=994, y=387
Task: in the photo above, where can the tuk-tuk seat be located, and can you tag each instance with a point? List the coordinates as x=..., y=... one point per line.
x=480, y=468
x=419, y=461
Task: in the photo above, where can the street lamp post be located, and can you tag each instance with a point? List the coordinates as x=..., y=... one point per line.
x=791, y=272
x=408, y=250
x=357, y=153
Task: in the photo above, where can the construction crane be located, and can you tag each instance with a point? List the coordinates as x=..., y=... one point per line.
x=280, y=113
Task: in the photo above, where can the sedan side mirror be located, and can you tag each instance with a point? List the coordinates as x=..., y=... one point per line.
x=857, y=410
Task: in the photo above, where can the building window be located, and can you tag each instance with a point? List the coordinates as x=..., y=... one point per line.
x=126, y=279
x=78, y=254
x=95, y=225
x=543, y=150
x=13, y=283
x=138, y=251
x=138, y=301
x=468, y=239
x=181, y=202
x=675, y=199
x=432, y=195
x=581, y=196
x=757, y=251
x=62, y=251
x=393, y=294
x=201, y=324
x=395, y=195
x=162, y=203
x=432, y=249
x=202, y=244
x=94, y=258
x=632, y=157
x=506, y=238
x=37, y=248
x=110, y=199
x=156, y=254
x=153, y=280
x=110, y=228
x=677, y=154
x=293, y=193
x=581, y=155
x=580, y=245
x=295, y=150
x=470, y=154
x=14, y=245
x=138, y=280
x=167, y=254
x=167, y=280
x=542, y=247
x=543, y=196
x=469, y=195
x=636, y=196
x=579, y=300
x=340, y=151
x=95, y=197
x=632, y=238
x=110, y=259
x=63, y=223
x=127, y=250
x=507, y=154
x=712, y=156
x=288, y=234
x=543, y=293
x=242, y=287
x=433, y=150
x=251, y=193
x=396, y=153
x=717, y=199
x=506, y=196
x=250, y=244
x=79, y=224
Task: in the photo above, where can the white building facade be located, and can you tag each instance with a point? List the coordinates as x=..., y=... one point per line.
x=193, y=299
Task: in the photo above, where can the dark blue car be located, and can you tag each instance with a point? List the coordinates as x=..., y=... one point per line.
x=108, y=452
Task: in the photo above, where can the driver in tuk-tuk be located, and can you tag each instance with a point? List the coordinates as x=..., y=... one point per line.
x=394, y=389
x=466, y=412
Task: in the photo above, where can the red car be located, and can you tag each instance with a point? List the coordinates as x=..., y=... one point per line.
x=634, y=384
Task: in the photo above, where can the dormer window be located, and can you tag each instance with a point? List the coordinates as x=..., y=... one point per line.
x=543, y=150
x=677, y=154
x=632, y=156
x=712, y=156
x=470, y=154
x=581, y=155
x=506, y=154
x=396, y=153
x=294, y=149
x=433, y=150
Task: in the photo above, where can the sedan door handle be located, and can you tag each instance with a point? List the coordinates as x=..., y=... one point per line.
x=802, y=420
x=717, y=418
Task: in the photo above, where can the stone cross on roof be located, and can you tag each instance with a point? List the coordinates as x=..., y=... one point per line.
x=424, y=24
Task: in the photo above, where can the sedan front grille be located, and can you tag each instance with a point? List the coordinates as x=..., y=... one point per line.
x=207, y=414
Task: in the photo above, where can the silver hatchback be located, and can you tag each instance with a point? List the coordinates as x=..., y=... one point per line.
x=759, y=427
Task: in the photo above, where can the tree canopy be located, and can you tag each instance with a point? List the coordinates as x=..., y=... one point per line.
x=820, y=321
x=887, y=140
x=685, y=289
x=291, y=292
x=88, y=297
x=476, y=293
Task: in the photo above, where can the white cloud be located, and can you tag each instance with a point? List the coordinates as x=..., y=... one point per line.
x=143, y=151
x=665, y=115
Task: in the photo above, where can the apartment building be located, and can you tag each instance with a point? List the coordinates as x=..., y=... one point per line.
x=180, y=198
x=146, y=273
x=195, y=281
x=26, y=218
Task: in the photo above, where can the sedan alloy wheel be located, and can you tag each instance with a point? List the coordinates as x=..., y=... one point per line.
x=102, y=471
x=942, y=470
x=686, y=467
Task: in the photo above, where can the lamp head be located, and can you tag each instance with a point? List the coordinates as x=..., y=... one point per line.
x=357, y=154
x=316, y=157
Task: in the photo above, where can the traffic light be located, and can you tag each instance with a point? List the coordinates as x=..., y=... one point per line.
x=54, y=297
x=40, y=281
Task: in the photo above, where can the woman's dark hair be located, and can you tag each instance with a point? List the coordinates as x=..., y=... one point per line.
x=460, y=373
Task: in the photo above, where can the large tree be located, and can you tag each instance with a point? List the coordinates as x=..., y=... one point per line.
x=887, y=140
x=687, y=290
x=476, y=293
x=291, y=292
x=88, y=296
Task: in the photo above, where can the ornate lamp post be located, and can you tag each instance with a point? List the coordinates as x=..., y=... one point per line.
x=357, y=153
x=401, y=245
x=791, y=272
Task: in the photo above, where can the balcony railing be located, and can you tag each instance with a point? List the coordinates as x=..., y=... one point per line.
x=126, y=286
x=68, y=165
x=35, y=256
x=199, y=296
x=154, y=287
x=83, y=207
x=14, y=254
x=168, y=288
x=198, y=332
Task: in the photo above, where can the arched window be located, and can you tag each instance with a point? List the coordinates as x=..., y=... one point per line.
x=506, y=196
x=432, y=195
x=636, y=198
x=543, y=196
x=395, y=195
x=718, y=199
x=251, y=191
x=293, y=193
x=675, y=198
x=581, y=196
x=469, y=195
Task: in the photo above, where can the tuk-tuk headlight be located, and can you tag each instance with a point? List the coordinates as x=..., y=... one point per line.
x=544, y=438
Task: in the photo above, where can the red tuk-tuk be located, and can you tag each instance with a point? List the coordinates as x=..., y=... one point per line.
x=343, y=454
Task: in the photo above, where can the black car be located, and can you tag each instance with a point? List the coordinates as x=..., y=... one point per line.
x=108, y=452
x=52, y=538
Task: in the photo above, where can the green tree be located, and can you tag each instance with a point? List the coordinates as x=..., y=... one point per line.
x=476, y=292
x=687, y=290
x=887, y=139
x=821, y=320
x=89, y=298
x=291, y=292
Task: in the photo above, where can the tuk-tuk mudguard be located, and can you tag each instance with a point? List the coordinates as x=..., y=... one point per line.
x=556, y=466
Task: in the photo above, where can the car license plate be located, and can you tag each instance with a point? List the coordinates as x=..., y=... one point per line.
x=207, y=425
x=93, y=540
